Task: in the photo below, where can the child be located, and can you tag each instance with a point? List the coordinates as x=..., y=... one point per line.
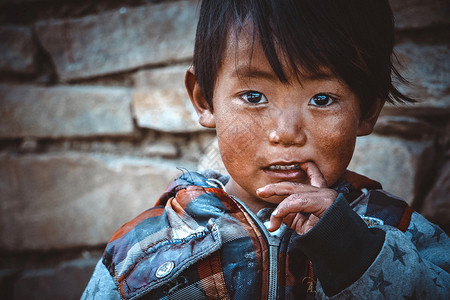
x=288, y=85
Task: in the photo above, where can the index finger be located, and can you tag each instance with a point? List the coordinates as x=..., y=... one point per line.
x=314, y=174
x=284, y=188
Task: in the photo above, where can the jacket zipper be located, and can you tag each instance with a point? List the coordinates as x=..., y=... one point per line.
x=274, y=244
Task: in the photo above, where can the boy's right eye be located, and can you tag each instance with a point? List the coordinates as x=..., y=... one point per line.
x=254, y=98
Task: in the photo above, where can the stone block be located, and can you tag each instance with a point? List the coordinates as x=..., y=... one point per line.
x=427, y=67
x=64, y=111
x=120, y=40
x=436, y=206
x=66, y=281
x=401, y=166
x=404, y=126
x=58, y=201
x=160, y=101
x=7, y=279
x=17, y=50
x=411, y=14
x=170, y=78
x=163, y=149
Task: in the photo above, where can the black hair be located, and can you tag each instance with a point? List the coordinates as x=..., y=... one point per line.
x=352, y=38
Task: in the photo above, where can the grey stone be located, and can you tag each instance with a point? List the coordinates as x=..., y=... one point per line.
x=64, y=111
x=7, y=279
x=165, y=110
x=403, y=126
x=120, y=40
x=399, y=165
x=410, y=14
x=427, y=67
x=170, y=78
x=17, y=50
x=58, y=201
x=436, y=206
x=66, y=281
x=163, y=149
x=161, y=102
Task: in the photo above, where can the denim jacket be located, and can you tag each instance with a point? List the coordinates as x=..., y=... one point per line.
x=198, y=242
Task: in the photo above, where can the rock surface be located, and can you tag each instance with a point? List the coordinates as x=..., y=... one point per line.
x=57, y=201
x=403, y=126
x=64, y=111
x=120, y=40
x=436, y=206
x=427, y=68
x=17, y=50
x=66, y=281
x=401, y=166
x=410, y=14
x=161, y=102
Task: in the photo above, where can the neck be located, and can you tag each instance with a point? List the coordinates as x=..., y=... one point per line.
x=254, y=203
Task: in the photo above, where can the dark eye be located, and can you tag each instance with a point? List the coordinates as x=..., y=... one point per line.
x=322, y=100
x=254, y=98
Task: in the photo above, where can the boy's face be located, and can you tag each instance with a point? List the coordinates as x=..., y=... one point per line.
x=267, y=129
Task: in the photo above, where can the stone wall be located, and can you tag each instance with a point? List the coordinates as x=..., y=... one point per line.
x=94, y=122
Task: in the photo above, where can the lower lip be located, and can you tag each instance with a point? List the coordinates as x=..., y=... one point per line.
x=287, y=175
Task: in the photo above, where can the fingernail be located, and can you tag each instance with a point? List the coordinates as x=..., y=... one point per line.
x=275, y=212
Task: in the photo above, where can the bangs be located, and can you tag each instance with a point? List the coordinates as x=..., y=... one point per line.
x=290, y=44
x=351, y=39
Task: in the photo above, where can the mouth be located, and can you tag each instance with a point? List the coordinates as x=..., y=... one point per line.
x=286, y=171
x=280, y=167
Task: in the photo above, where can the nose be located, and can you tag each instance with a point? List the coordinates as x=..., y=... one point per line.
x=288, y=128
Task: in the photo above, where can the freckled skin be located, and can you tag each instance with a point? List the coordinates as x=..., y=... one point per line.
x=285, y=128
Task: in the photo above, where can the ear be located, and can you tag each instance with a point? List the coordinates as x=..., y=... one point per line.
x=201, y=106
x=368, y=121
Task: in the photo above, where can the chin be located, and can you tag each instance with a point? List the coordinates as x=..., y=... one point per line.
x=275, y=200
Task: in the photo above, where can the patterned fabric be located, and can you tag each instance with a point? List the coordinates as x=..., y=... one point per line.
x=200, y=243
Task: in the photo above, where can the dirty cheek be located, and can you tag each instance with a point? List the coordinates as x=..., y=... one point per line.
x=336, y=150
x=236, y=140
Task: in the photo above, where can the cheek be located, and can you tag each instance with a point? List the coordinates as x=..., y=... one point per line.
x=335, y=150
x=236, y=141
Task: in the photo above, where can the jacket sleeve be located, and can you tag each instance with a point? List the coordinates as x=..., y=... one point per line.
x=379, y=262
x=101, y=285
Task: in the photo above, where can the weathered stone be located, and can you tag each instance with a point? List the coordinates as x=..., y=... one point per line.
x=17, y=50
x=64, y=111
x=428, y=69
x=162, y=78
x=162, y=149
x=67, y=281
x=161, y=102
x=120, y=40
x=436, y=206
x=56, y=201
x=165, y=110
x=7, y=278
x=418, y=13
x=399, y=165
x=403, y=126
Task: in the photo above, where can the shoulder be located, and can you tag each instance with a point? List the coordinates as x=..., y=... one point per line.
x=165, y=240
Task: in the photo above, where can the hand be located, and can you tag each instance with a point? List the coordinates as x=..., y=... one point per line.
x=304, y=205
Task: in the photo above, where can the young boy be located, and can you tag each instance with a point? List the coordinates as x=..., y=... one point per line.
x=288, y=85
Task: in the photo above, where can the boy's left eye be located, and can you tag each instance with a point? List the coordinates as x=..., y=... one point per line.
x=254, y=98
x=322, y=100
